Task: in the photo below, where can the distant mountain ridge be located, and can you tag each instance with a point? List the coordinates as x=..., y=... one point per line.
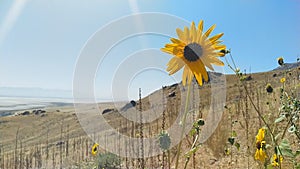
x=287, y=66
x=34, y=92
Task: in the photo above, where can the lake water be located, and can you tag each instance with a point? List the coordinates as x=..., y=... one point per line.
x=8, y=105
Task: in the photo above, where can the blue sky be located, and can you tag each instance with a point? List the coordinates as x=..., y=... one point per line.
x=40, y=40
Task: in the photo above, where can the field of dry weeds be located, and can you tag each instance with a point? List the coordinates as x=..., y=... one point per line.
x=56, y=139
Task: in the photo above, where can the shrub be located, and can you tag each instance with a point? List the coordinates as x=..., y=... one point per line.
x=108, y=161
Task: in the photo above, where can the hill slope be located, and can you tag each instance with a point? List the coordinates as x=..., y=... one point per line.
x=58, y=133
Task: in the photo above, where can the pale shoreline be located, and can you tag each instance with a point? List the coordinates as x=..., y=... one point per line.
x=50, y=107
x=9, y=106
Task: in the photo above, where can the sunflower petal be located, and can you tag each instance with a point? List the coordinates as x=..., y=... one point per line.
x=207, y=63
x=186, y=34
x=174, y=69
x=167, y=50
x=216, y=37
x=214, y=61
x=200, y=32
x=256, y=156
x=171, y=45
x=193, y=32
x=203, y=71
x=200, y=26
x=198, y=77
x=178, y=52
x=198, y=67
x=178, y=42
x=171, y=63
x=220, y=47
x=174, y=40
x=174, y=65
x=184, y=75
x=207, y=33
x=221, y=54
x=217, y=42
x=260, y=135
x=180, y=34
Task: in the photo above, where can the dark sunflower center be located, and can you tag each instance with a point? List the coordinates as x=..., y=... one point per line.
x=276, y=159
x=192, y=52
x=258, y=145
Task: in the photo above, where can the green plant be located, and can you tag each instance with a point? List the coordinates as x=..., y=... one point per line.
x=108, y=161
x=286, y=121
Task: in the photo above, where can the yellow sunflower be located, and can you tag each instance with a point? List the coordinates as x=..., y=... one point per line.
x=194, y=51
x=260, y=153
x=275, y=161
x=282, y=80
x=95, y=149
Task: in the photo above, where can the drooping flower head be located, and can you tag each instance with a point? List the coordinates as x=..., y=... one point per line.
x=194, y=51
x=95, y=149
x=260, y=153
x=269, y=88
x=277, y=160
x=164, y=140
x=280, y=61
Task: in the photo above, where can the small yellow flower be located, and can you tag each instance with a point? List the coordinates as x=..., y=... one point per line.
x=260, y=135
x=280, y=61
x=260, y=153
x=95, y=149
x=276, y=161
x=193, y=51
x=282, y=80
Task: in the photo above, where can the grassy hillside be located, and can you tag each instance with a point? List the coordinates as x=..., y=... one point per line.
x=56, y=138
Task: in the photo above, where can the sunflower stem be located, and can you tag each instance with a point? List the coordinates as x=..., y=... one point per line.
x=193, y=146
x=253, y=104
x=183, y=125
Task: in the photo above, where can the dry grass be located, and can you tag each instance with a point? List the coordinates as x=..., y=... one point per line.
x=57, y=140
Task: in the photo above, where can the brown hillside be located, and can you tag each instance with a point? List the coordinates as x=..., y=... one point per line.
x=57, y=139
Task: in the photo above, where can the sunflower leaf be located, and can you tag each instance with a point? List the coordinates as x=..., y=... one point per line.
x=191, y=151
x=270, y=166
x=237, y=145
x=286, y=149
x=277, y=136
x=233, y=134
x=279, y=119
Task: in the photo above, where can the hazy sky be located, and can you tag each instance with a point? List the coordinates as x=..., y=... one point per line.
x=40, y=40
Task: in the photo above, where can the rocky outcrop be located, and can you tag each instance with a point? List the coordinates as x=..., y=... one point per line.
x=129, y=105
x=25, y=113
x=39, y=111
x=108, y=111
